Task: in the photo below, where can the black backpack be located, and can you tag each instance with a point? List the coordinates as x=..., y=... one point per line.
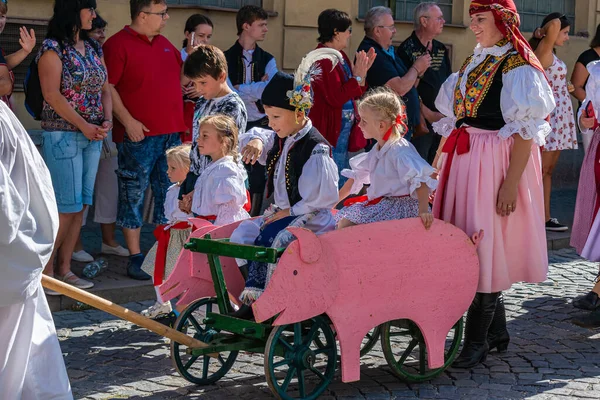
x=34, y=100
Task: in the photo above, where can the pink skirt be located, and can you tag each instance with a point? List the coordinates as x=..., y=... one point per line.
x=513, y=248
x=591, y=250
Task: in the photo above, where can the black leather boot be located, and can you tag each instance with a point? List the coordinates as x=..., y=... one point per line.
x=479, y=318
x=591, y=320
x=245, y=312
x=256, y=200
x=498, y=337
x=244, y=271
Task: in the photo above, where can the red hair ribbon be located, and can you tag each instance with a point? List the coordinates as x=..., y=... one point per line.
x=399, y=122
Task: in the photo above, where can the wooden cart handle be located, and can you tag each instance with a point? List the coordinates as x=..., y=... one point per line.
x=122, y=312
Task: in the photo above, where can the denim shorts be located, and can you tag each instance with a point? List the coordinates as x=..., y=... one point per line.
x=73, y=163
x=141, y=164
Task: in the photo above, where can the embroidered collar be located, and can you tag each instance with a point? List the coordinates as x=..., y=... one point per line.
x=301, y=133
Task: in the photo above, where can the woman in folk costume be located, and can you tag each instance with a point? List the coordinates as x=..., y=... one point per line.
x=586, y=224
x=301, y=173
x=491, y=177
x=31, y=363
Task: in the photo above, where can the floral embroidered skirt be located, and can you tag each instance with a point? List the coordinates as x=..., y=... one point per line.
x=389, y=208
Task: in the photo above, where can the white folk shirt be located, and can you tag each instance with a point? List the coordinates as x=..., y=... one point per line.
x=221, y=191
x=395, y=170
x=173, y=213
x=250, y=91
x=524, y=113
x=28, y=212
x=318, y=183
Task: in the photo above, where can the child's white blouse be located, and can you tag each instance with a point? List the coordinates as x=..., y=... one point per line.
x=173, y=213
x=396, y=169
x=592, y=93
x=221, y=191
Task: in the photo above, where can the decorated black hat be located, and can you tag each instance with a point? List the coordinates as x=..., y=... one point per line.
x=275, y=93
x=294, y=92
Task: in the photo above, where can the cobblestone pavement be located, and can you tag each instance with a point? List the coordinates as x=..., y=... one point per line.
x=549, y=358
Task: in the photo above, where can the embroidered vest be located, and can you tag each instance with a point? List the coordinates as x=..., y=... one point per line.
x=297, y=156
x=237, y=69
x=480, y=107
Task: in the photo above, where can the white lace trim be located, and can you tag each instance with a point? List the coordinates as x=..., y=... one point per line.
x=530, y=129
x=444, y=126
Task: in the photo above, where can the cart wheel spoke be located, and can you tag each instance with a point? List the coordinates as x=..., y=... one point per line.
x=221, y=360
x=405, y=332
x=317, y=373
x=324, y=350
x=285, y=344
x=301, y=385
x=288, y=378
x=422, y=357
x=297, y=334
x=282, y=363
x=310, y=335
x=411, y=346
x=190, y=362
x=205, y=367
x=196, y=324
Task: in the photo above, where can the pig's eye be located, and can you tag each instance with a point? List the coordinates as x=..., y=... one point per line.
x=295, y=272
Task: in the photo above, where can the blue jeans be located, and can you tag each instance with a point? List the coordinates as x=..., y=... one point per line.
x=340, y=151
x=73, y=163
x=140, y=164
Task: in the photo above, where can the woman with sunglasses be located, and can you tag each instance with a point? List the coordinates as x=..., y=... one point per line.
x=335, y=94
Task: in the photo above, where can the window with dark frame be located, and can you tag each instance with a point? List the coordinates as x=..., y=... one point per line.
x=533, y=12
x=9, y=41
x=403, y=10
x=227, y=4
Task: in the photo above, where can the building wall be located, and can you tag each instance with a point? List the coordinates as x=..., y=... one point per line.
x=292, y=32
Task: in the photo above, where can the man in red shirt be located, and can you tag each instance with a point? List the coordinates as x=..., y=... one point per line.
x=144, y=71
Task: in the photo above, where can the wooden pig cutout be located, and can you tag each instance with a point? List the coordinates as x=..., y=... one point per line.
x=191, y=278
x=366, y=275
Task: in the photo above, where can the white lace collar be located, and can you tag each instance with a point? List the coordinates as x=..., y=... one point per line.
x=495, y=50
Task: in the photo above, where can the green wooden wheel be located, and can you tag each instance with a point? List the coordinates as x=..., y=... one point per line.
x=406, y=354
x=295, y=366
x=370, y=340
x=201, y=370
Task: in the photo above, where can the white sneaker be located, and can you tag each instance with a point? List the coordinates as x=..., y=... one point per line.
x=76, y=281
x=82, y=256
x=157, y=309
x=117, y=251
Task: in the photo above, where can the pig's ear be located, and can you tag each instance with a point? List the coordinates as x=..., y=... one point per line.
x=308, y=243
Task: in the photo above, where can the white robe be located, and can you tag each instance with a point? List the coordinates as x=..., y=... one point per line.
x=31, y=363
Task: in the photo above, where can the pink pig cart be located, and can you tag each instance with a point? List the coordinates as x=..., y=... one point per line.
x=393, y=280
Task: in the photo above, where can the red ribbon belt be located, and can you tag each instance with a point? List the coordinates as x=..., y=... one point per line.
x=248, y=205
x=458, y=142
x=360, y=199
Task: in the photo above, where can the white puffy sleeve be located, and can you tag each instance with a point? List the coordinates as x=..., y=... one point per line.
x=359, y=171
x=591, y=94
x=318, y=184
x=13, y=208
x=415, y=170
x=526, y=100
x=444, y=102
x=229, y=196
x=266, y=136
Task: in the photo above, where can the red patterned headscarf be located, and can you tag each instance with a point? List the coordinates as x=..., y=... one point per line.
x=508, y=21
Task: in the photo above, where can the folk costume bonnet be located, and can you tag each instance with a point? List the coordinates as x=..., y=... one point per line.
x=508, y=21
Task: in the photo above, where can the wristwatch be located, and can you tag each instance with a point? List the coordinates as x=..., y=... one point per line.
x=358, y=79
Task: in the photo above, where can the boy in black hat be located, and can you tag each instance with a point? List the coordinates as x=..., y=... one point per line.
x=300, y=173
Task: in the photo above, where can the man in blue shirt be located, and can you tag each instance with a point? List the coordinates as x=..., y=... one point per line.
x=389, y=70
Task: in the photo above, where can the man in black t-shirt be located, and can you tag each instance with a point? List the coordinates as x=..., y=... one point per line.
x=429, y=23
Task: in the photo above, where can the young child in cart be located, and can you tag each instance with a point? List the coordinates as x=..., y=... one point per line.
x=400, y=180
x=171, y=237
x=302, y=176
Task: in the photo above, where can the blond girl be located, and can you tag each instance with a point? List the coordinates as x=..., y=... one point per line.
x=171, y=237
x=400, y=180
